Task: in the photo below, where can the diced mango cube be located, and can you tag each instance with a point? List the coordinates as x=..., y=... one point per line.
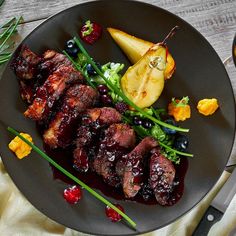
x=19, y=147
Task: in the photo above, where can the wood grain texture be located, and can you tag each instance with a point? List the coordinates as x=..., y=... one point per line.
x=214, y=19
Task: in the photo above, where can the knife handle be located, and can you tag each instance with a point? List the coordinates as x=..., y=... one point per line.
x=211, y=216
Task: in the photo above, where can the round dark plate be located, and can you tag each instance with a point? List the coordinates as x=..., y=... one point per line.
x=199, y=74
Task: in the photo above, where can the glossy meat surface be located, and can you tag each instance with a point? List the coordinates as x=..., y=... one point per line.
x=77, y=99
x=25, y=64
x=88, y=133
x=32, y=70
x=131, y=166
x=162, y=174
x=53, y=60
x=118, y=140
x=51, y=91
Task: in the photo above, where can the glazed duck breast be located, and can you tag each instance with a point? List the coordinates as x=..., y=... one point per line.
x=162, y=175
x=131, y=166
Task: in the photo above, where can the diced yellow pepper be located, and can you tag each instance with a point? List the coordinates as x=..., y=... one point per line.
x=207, y=106
x=19, y=147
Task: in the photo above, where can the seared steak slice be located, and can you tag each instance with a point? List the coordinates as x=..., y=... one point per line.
x=89, y=131
x=84, y=141
x=76, y=100
x=52, y=60
x=51, y=91
x=131, y=166
x=162, y=174
x=118, y=140
x=27, y=90
x=100, y=117
x=33, y=70
x=25, y=64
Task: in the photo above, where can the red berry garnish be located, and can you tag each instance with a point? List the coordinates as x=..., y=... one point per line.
x=72, y=194
x=90, y=32
x=112, y=214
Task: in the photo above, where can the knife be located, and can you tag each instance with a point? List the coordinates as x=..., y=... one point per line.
x=218, y=206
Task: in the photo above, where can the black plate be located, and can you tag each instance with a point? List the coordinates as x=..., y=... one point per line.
x=199, y=74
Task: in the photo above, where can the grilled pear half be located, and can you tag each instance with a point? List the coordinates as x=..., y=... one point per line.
x=135, y=48
x=144, y=81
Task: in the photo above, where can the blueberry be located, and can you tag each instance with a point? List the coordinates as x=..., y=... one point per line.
x=102, y=89
x=73, y=52
x=90, y=69
x=147, y=124
x=137, y=120
x=181, y=143
x=106, y=99
x=70, y=44
x=71, y=48
x=168, y=130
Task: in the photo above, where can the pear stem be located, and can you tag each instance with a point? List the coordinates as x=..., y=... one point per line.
x=171, y=34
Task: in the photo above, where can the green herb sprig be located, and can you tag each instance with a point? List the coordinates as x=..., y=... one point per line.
x=170, y=152
x=78, y=67
x=7, y=30
x=89, y=27
x=121, y=94
x=180, y=103
x=68, y=174
x=1, y=2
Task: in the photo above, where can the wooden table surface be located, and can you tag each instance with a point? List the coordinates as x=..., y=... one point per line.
x=215, y=19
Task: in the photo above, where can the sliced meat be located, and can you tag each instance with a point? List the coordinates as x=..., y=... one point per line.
x=25, y=64
x=76, y=100
x=26, y=91
x=162, y=175
x=33, y=70
x=83, y=145
x=51, y=91
x=119, y=139
x=102, y=116
x=131, y=166
x=93, y=120
x=53, y=60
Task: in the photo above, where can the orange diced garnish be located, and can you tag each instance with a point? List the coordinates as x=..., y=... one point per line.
x=207, y=106
x=19, y=147
x=179, y=109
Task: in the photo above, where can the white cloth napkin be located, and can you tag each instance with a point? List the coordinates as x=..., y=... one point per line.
x=19, y=218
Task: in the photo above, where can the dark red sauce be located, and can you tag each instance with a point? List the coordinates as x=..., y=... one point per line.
x=64, y=157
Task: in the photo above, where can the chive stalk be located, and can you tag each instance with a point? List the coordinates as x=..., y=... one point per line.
x=7, y=23
x=122, y=95
x=4, y=60
x=75, y=179
x=9, y=28
x=1, y=2
x=79, y=69
x=161, y=143
x=10, y=32
x=6, y=31
x=174, y=150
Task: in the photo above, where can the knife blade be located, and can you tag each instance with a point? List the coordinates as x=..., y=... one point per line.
x=218, y=206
